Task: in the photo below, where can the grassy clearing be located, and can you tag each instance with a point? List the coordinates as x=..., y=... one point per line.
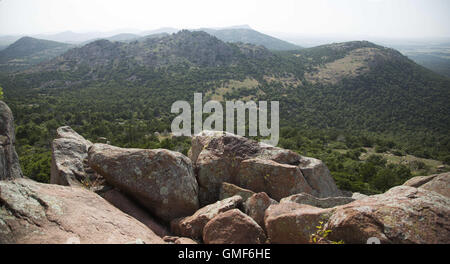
x=218, y=93
x=418, y=166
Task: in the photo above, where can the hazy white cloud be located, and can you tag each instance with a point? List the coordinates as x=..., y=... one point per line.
x=390, y=18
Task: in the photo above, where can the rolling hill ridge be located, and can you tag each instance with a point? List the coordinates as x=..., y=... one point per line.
x=337, y=96
x=28, y=51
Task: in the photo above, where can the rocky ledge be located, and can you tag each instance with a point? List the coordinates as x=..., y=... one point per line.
x=229, y=190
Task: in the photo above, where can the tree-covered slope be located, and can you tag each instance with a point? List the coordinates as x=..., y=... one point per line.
x=353, y=93
x=353, y=85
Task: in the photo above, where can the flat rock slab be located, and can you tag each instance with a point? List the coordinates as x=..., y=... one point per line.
x=439, y=183
x=38, y=213
x=304, y=198
x=128, y=206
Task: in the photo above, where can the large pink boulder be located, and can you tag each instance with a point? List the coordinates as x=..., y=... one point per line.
x=233, y=227
x=401, y=215
x=162, y=181
x=223, y=157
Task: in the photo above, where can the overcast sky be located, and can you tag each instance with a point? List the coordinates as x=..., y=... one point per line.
x=381, y=18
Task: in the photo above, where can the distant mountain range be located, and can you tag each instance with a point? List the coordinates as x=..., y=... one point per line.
x=248, y=35
x=436, y=58
x=351, y=85
x=28, y=51
x=230, y=34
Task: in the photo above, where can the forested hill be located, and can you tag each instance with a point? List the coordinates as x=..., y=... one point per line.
x=352, y=85
x=364, y=93
x=28, y=51
x=184, y=49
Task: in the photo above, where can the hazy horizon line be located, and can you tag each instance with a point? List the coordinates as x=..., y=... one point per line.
x=277, y=34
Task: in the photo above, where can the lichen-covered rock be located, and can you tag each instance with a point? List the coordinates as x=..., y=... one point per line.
x=304, y=198
x=277, y=180
x=439, y=183
x=9, y=161
x=223, y=157
x=51, y=214
x=233, y=227
x=69, y=152
x=256, y=206
x=401, y=215
x=228, y=190
x=192, y=226
x=162, y=181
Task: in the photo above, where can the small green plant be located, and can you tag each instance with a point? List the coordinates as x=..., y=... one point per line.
x=1, y=93
x=320, y=237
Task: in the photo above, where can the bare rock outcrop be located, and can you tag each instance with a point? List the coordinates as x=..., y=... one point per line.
x=233, y=227
x=401, y=215
x=223, y=157
x=32, y=212
x=9, y=161
x=162, y=181
x=192, y=226
x=439, y=183
x=69, y=156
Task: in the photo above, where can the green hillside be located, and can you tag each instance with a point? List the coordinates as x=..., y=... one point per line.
x=339, y=96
